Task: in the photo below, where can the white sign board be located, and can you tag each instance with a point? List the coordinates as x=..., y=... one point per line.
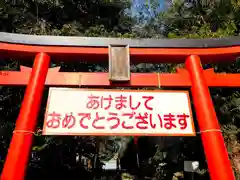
x=118, y=112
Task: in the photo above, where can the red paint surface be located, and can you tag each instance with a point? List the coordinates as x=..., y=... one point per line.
x=216, y=153
x=20, y=147
x=179, y=79
x=96, y=54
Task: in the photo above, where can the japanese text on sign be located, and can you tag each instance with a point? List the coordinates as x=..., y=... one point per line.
x=108, y=112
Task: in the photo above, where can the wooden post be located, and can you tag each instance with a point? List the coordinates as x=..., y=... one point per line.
x=119, y=63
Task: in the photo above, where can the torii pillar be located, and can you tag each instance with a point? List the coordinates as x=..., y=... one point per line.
x=21, y=143
x=214, y=147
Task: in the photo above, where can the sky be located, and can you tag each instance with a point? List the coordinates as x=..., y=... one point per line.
x=138, y=3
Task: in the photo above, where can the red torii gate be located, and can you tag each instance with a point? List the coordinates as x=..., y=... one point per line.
x=192, y=51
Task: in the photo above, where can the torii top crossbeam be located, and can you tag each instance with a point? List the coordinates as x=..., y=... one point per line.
x=95, y=49
x=192, y=52
x=141, y=50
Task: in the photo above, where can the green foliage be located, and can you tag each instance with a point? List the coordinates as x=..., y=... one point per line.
x=227, y=29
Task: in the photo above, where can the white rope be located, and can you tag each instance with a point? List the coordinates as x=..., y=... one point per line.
x=209, y=130
x=159, y=84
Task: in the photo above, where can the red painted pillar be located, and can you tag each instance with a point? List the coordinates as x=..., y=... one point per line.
x=216, y=153
x=20, y=147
